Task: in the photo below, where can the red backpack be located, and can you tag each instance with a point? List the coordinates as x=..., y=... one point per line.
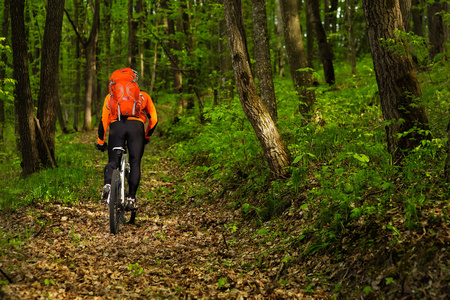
x=125, y=96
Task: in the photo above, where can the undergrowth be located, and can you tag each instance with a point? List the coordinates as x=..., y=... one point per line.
x=341, y=173
x=76, y=177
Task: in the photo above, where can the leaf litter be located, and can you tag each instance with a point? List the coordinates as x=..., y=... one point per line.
x=197, y=249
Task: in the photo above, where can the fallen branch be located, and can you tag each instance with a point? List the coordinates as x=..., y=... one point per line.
x=6, y=276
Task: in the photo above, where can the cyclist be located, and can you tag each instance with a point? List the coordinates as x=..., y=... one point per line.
x=130, y=130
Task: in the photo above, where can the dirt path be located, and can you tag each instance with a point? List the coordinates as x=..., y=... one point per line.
x=175, y=251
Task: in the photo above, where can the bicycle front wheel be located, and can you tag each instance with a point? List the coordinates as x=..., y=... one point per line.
x=114, y=203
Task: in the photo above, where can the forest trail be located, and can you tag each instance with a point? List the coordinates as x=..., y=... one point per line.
x=174, y=251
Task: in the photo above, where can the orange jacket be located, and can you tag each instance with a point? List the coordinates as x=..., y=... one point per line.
x=149, y=112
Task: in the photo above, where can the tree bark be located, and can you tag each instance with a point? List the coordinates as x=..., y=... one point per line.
x=350, y=13
x=48, y=99
x=293, y=39
x=91, y=67
x=436, y=28
x=396, y=78
x=133, y=25
x=262, y=58
x=276, y=154
x=23, y=103
x=309, y=35
x=5, y=30
x=176, y=73
x=417, y=11
x=405, y=8
x=325, y=51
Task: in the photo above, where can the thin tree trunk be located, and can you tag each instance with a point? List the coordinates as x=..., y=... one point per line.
x=225, y=65
x=91, y=49
x=350, y=13
x=436, y=28
x=280, y=61
x=309, y=35
x=396, y=78
x=48, y=99
x=262, y=57
x=301, y=75
x=77, y=87
x=23, y=103
x=155, y=57
x=5, y=30
x=325, y=51
x=276, y=154
x=132, y=36
x=417, y=11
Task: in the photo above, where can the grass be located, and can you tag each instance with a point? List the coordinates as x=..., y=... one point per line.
x=76, y=178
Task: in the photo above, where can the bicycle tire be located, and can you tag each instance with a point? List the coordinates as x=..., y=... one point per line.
x=114, y=203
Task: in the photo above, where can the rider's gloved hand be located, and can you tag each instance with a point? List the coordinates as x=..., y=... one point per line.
x=146, y=141
x=101, y=147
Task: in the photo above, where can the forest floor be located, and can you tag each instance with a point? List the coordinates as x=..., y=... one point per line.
x=196, y=249
x=173, y=251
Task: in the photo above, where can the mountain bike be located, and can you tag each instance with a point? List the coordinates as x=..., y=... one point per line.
x=118, y=212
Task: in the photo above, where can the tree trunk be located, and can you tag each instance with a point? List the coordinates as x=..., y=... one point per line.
x=350, y=13
x=276, y=154
x=48, y=99
x=155, y=56
x=279, y=62
x=91, y=50
x=262, y=57
x=132, y=36
x=333, y=15
x=417, y=11
x=189, y=46
x=309, y=35
x=436, y=28
x=447, y=161
x=396, y=78
x=77, y=86
x=293, y=39
x=325, y=51
x=176, y=73
x=23, y=102
x=405, y=8
x=225, y=65
x=5, y=30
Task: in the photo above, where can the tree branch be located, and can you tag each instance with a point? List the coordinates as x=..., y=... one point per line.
x=80, y=38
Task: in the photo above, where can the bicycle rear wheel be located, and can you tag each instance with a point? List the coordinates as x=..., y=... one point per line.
x=114, y=203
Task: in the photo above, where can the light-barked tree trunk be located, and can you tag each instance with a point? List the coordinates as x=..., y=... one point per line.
x=275, y=152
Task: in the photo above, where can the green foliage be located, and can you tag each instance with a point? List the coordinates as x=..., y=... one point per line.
x=341, y=175
x=75, y=178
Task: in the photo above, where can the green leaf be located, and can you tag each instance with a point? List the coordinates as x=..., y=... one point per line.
x=361, y=157
x=222, y=282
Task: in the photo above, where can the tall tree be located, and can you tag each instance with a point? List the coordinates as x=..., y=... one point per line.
x=169, y=23
x=293, y=39
x=262, y=58
x=399, y=88
x=405, y=8
x=90, y=50
x=48, y=100
x=417, y=11
x=5, y=30
x=325, y=51
x=436, y=27
x=133, y=25
x=23, y=102
x=275, y=152
x=351, y=45
x=90, y=45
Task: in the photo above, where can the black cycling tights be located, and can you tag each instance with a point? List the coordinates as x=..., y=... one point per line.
x=131, y=131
